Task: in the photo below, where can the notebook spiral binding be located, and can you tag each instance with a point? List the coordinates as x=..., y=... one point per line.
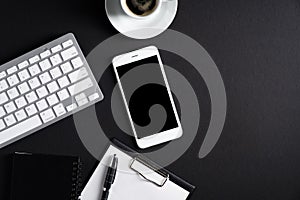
x=76, y=180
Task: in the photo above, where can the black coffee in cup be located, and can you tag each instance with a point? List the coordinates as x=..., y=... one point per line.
x=142, y=7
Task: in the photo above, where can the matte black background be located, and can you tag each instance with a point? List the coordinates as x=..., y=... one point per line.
x=256, y=47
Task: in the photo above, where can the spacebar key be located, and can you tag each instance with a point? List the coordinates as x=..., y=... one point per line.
x=18, y=131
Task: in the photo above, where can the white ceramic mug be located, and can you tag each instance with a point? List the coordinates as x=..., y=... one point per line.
x=131, y=14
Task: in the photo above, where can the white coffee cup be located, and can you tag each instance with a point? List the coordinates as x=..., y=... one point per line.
x=132, y=14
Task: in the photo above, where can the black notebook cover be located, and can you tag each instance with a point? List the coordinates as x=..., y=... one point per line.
x=45, y=177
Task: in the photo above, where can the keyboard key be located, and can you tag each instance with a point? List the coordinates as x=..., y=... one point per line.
x=34, y=83
x=69, y=53
x=52, y=99
x=94, y=96
x=59, y=109
x=78, y=75
x=55, y=60
x=2, y=111
x=31, y=97
x=71, y=107
x=67, y=43
x=42, y=104
x=47, y=115
x=23, y=75
x=12, y=70
x=80, y=86
x=55, y=73
x=82, y=102
x=81, y=99
x=31, y=110
x=20, y=115
x=77, y=62
x=66, y=67
x=34, y=59
x=52, y=87
x=80, y=96
x=2, y=74
x=23, y=64
x=2, y=124
x=10, y=107
x=3, y=98
x=21, y=128
x=63, y=94
x=13, y=93
x=10, y=120
x=23, y=88
x=45, y=54
x=56, y=48
x=3, y=85
x=42, y=92
x=13, y=80
x=63, y=82
x=20, y=102
x=45, y=65
x=45, y=77
x=34, y=70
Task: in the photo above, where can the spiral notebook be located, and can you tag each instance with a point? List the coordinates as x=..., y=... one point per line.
x=137, y=179
x=45, y=177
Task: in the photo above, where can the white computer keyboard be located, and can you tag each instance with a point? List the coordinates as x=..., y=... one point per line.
x=44, y=86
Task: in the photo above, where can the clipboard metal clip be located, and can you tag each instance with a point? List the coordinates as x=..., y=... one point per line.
x=149, y=172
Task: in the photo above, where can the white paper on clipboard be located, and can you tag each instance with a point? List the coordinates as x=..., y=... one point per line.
x=128, y=184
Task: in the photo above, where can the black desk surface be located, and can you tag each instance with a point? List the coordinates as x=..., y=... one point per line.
x=255, y=45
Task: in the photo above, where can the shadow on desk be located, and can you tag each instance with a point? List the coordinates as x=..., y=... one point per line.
x=6, y=166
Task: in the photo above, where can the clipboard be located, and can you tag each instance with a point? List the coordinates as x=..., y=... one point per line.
x=158, y=181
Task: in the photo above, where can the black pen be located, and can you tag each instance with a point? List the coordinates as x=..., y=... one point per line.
x=110, y=177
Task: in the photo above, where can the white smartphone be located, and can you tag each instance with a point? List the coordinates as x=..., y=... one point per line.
x=150, y=107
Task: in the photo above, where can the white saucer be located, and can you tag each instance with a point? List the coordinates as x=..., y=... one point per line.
x=141, y=28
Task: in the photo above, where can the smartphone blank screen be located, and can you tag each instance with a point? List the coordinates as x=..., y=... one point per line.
x=147, y=97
